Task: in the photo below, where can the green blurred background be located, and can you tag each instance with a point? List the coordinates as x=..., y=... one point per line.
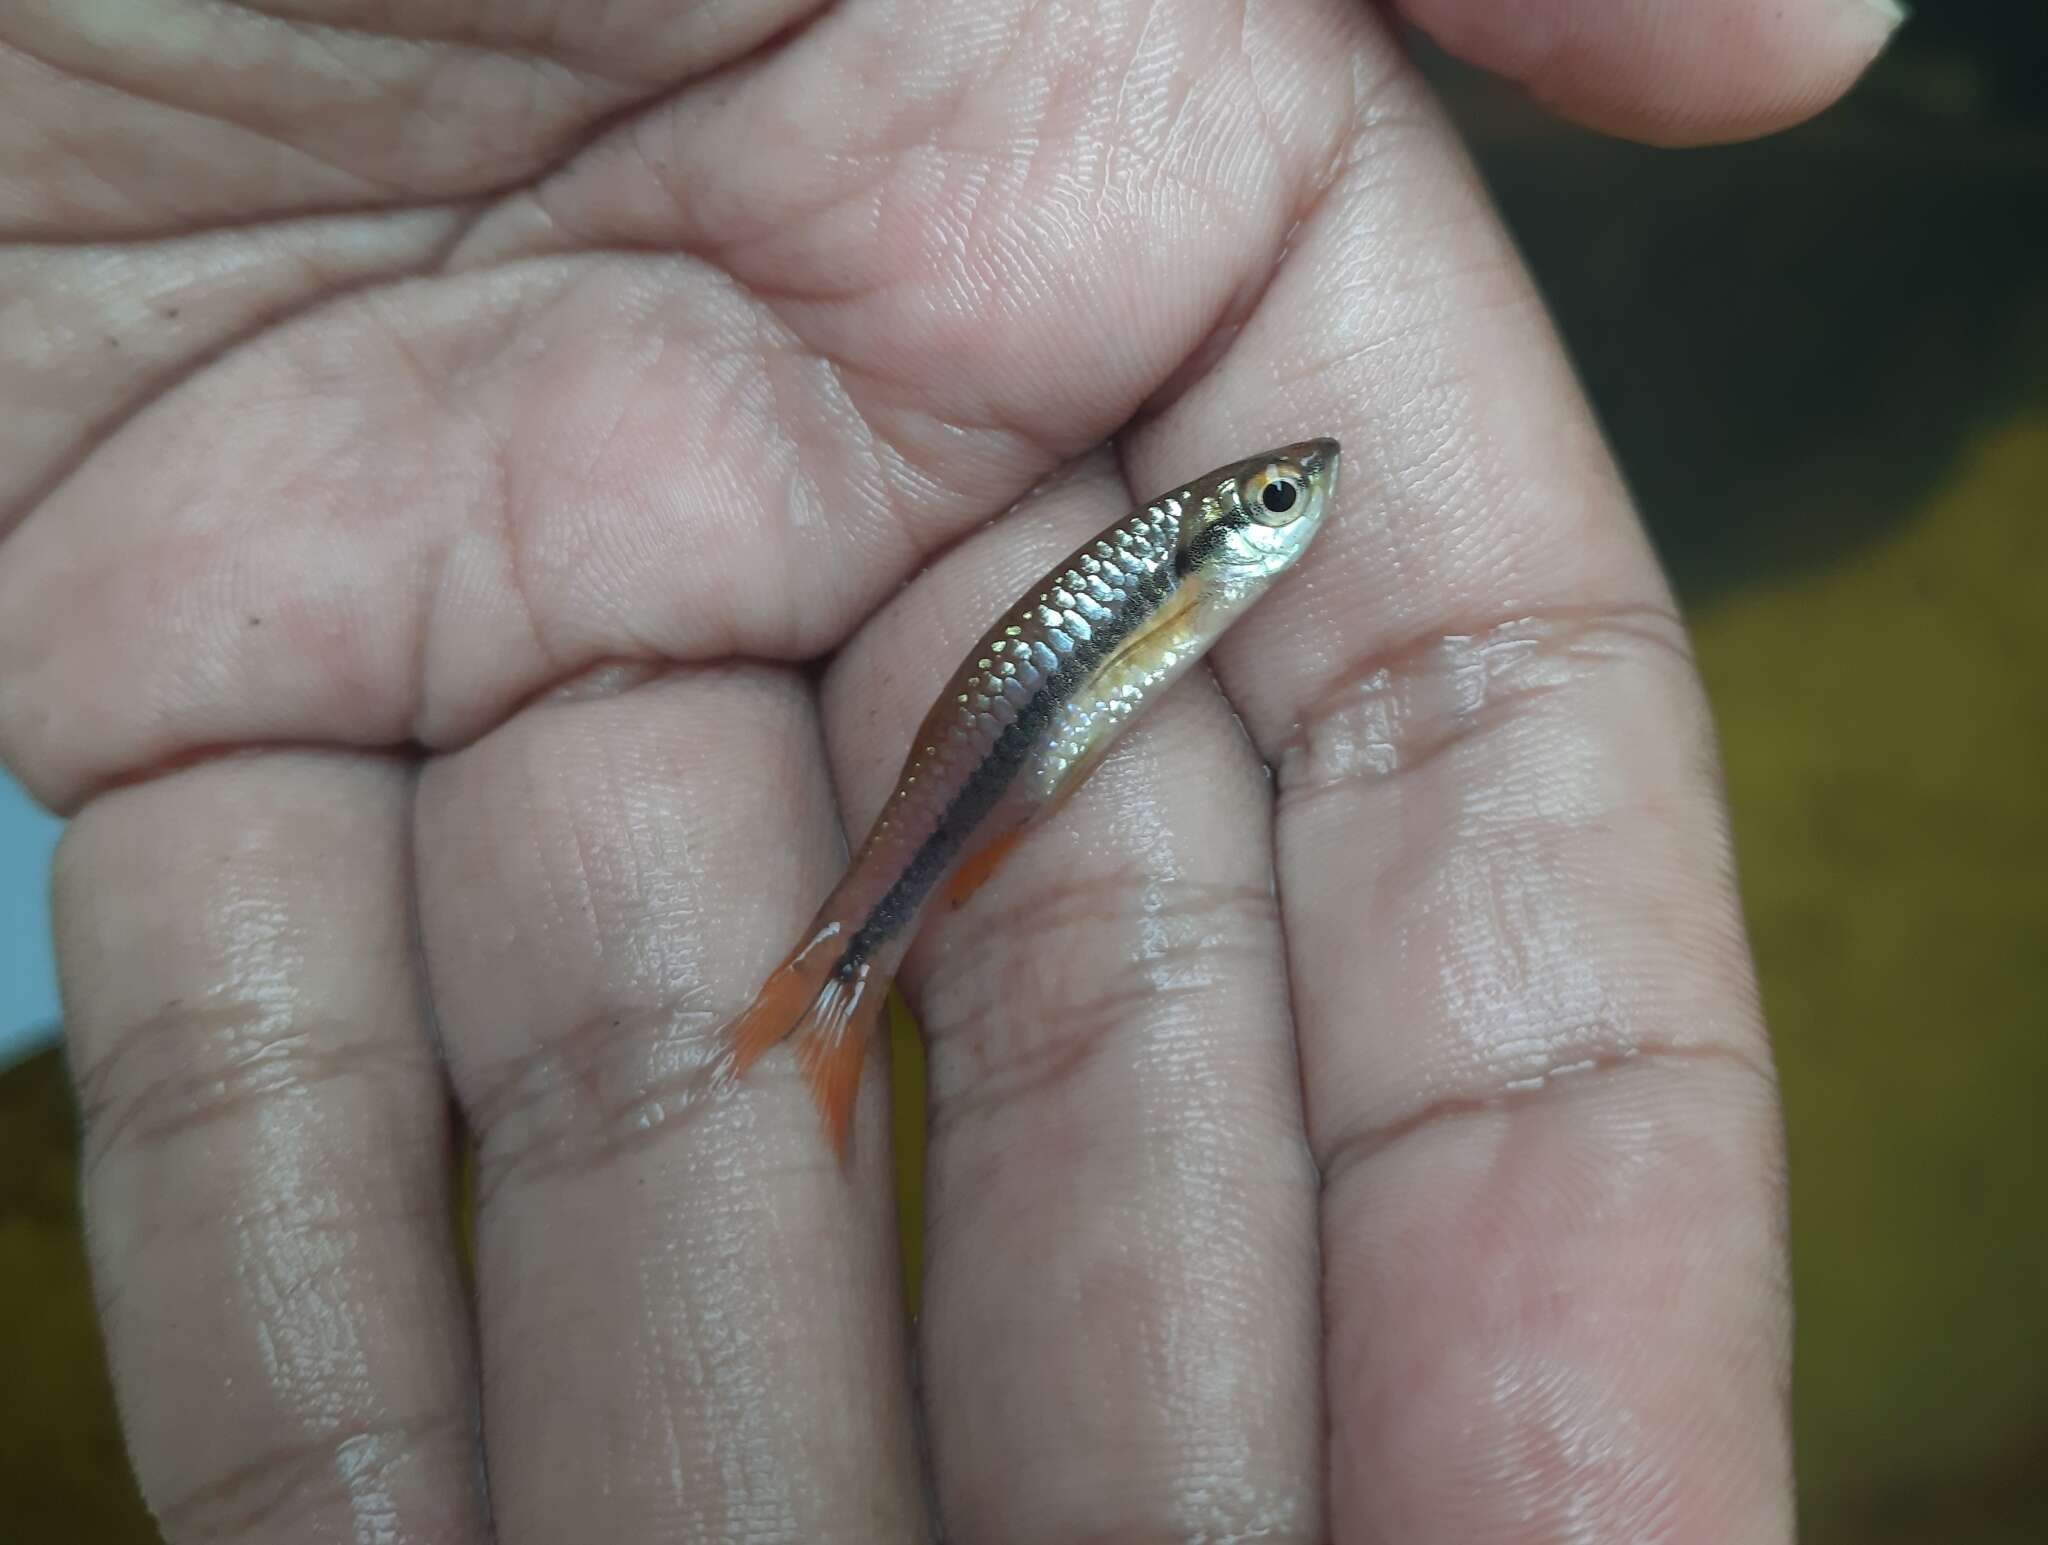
x=1824, y=363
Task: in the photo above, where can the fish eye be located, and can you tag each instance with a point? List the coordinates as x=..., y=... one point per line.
x=1273, y=497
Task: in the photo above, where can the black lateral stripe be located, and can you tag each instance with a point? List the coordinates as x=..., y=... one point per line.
x=999, y=769
x=1196, y=553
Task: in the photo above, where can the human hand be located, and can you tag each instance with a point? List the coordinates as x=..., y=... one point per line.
x=430, y=459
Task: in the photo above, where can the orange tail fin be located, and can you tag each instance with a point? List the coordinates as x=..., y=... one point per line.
x=832, y=1014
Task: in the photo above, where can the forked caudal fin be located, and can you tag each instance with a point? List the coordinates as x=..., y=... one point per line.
x=833, y=1015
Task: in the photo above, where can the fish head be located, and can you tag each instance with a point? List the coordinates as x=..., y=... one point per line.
x=1248, y=522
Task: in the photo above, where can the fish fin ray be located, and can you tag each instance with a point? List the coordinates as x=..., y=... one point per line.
x=831, y=1049
x=831, y=1013
x=789, y=997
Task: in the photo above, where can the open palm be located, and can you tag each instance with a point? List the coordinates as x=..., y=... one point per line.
x=439, y=438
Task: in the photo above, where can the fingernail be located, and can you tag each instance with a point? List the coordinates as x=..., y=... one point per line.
x=1893, y=11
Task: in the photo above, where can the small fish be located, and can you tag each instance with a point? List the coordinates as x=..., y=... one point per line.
x=1025, y=719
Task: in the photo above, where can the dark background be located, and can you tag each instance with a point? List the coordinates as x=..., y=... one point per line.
x=1790, y=341
x=1823, y=361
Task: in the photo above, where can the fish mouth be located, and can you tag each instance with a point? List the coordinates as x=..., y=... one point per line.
x=1317, y=458
x=1318, y=462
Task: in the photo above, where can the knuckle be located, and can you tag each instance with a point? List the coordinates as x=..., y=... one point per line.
x=1060, y=969
x=189, y=1067
x=1404, y=708
x=1564, y=1075
x=590, y=1092
x=283, y=1492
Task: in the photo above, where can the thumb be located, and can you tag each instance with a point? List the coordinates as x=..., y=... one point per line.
x=1670, y=72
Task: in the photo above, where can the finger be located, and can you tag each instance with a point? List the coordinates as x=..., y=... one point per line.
x=1119, y=1307
x=1669, y=74
x=692, y=1319
x=1537, y=1087
x=267, y=1158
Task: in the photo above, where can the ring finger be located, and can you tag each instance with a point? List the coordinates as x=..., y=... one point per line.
x=691, y=1319
x=1119, y=1328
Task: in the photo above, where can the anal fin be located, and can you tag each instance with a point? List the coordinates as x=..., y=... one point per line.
x=974, y=871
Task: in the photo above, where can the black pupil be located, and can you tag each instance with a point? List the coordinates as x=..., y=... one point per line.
x=1277, y=496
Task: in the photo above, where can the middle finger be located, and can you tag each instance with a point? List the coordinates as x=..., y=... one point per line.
x=1120, y=1306
x=692, y=1324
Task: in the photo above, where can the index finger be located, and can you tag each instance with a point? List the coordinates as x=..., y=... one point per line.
x=1536, y=1083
